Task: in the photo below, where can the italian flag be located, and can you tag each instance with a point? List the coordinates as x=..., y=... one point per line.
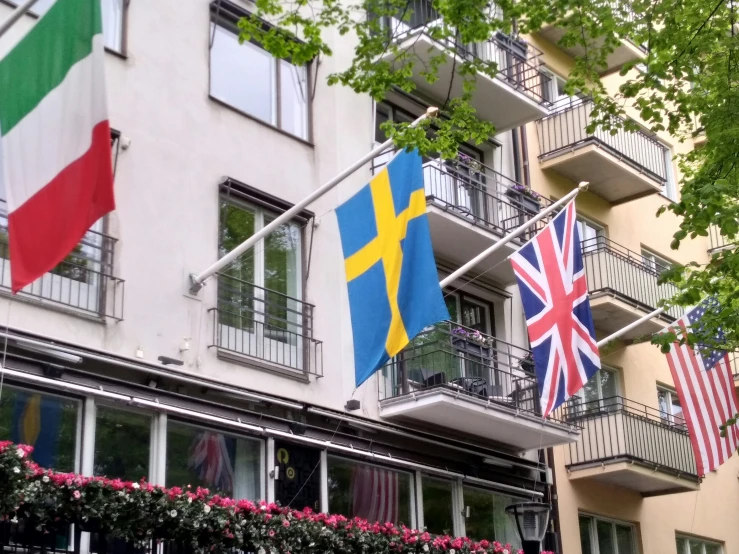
x=55, y=151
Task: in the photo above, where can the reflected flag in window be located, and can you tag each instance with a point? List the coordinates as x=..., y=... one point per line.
x=375, y=494
x=36, y=423
x=211, y=457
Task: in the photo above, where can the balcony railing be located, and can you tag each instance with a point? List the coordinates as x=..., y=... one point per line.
x=566, y=130
x=517, y=61
x=468, y=362
x=265, y=325
x=478, y=194
x=718, y=241
x=617, y=429
x=611, y=268
x=83, y=282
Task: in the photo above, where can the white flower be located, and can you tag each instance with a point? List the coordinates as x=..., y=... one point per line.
x=425, y=547
x=452, y=551
x=20, y=453
x=16, y=470
x=263, y=508
x=14, y=520
x=261, y=551
x=505, y=551
x=189, y=500
x=136, y=486
x=206, y=509
x=45, y=478
x=173, y=513
x=121, y=493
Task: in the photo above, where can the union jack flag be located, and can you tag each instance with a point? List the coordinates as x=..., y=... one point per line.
x=554, y=291
x=211, y=460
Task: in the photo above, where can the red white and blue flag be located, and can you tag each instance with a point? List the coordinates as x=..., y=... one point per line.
x=554, y=291
x=211, y=460
x=375, y=494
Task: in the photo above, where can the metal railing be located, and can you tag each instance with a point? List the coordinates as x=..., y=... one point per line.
x=82, y=282
x=566, y=129
x=478, y=194
x=517, y=61
x=616, y=429
x=718, y=241
x=457, y=358
x=265, y=324
x=610, y=268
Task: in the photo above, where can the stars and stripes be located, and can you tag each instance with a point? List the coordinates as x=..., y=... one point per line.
x=705, y=386
x=554, y=291
x=211, y=460
x=375, y=494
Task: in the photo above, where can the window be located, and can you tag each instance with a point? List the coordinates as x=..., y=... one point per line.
x=122, y=444
x=438, y=510
x=113, y=17
x=485, y=517
x=371, y=492
x=47, y=422
x=599, y=393
x=591, y=234
x=654, y=261
x=250, y=79
x=670, y=184
x=690, y=545
x=602, y=536
x=225, y=464
x=669, y=406
x=259, y=295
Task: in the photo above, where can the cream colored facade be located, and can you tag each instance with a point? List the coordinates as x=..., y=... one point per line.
x=178, y=145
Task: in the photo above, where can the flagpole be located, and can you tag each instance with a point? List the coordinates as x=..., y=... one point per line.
x=629, y=327
x=16, y=15
x=197, y=281
x=508, y=238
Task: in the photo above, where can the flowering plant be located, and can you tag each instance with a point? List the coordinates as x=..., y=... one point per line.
x=141, y=512
x=525, y=191
x=473, y=335
x=469, y=161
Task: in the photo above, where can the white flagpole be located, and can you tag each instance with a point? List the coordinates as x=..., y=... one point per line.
x=629, y=327
x=16, y=15
x=508, y=238
x=197, y=281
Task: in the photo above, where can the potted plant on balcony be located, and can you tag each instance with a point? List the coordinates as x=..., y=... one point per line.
x=471, y=341
x=527, y=363
x=524, y=198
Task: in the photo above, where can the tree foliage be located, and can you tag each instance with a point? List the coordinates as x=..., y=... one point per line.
x=685, y=86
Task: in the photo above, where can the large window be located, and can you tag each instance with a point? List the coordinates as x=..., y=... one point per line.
x=690, y=545
x=485, y=517
x=260, y=310
x=371, y=492
x=605, y=536
x=669, y=406
x=114, y=12
x=250, y=79
x=122, y=444
x=438, y=506
x=222, y=463
x=47, y=422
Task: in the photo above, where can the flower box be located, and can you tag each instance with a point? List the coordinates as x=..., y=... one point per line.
x=527, y=203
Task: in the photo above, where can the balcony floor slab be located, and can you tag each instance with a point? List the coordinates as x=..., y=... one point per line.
x=611, y=314
x=630, y=475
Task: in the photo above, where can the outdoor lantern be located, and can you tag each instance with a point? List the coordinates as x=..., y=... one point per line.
x=531, y=522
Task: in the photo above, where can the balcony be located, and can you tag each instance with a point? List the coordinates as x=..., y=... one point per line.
x=718, y=241
x=625, y=52
x=512, y=98
x=470, y=206
x=475, y=384
x=83, y=283
x=623, y=288
x=265, y=328
x=620, y=167
x=633, y=446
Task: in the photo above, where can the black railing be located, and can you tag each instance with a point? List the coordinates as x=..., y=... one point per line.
x=83, y=282
x=612, y=269
x=267, y=325
x=467, y=362
x=517, y=61
x=616, y=429
x=566, y=129
x=477, y=194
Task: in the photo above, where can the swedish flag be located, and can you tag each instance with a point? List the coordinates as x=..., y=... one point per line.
x=390, y=270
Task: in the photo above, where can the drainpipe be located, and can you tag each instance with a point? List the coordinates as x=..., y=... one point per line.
x=553, y=499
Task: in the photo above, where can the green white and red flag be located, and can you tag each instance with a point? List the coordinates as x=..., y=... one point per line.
x=55, y=155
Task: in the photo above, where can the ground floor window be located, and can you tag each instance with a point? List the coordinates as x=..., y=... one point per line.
x=606, y=536
x=485, y=516
x=374, y=493
x=691, y=545
x=438, y=506
x=122, y=443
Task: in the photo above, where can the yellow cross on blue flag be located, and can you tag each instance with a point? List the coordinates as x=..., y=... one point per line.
x=393, y=285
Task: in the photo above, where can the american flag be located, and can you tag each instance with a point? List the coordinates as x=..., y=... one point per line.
x=554, y=291
x=375, y=494
x=211, y=460
x=705, y=386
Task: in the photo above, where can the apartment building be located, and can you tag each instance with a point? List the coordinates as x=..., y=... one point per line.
x=115, y=367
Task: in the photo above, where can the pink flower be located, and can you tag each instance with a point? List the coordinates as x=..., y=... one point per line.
x=271, y=532
x=286, y=523
x=76, y=495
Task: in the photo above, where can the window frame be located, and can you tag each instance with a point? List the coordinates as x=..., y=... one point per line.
x=593, y=532
x=226, y=16
x=701, y=542
x=601, y=234
x=654, y=261
x=581, y=408
x=491, y=492
x=668, y=417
